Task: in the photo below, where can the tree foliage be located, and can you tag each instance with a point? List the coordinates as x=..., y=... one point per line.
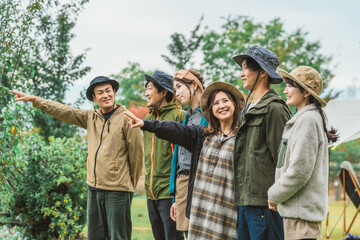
x=44, y=190
x=55, y=68
x=131, y=85
x=182, y=49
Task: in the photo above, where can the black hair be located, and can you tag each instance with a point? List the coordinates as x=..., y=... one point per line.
x=169, y=96
x=214, y=124
x=331, y=134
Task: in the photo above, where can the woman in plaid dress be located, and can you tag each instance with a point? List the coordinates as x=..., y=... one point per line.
x=213, y=212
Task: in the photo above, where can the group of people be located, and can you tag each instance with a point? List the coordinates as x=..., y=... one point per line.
x=226, y=168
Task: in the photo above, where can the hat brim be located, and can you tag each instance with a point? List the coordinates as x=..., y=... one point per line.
x=151, y=79
x=275, y=77
x=285, y=75
x=240, y=101
x=90, y=90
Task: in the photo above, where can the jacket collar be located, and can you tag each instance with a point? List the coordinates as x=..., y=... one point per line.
x=310, y=107
x=119, y=110
x=262, y=106
x=168, y=107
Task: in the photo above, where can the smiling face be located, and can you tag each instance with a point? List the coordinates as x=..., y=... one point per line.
x=182, y=92
x=104, y=96
x=155, y=98
x=222, y=107
x=295, y=97
x=248, y=75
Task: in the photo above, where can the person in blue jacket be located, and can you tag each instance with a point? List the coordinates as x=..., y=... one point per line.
x=188, y=87
x=213, y=212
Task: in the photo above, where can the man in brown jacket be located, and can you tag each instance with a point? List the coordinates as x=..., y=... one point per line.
x=114, y=160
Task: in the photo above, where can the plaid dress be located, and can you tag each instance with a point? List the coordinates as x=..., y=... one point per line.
x=213, y=210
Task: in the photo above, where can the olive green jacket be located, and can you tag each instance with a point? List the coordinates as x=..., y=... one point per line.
x=256, y=145
x=159, y=153
x=115, y=151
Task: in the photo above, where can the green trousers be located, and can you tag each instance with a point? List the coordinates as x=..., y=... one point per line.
x=108, y=215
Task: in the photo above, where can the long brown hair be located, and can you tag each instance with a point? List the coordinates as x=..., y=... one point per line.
x=214, y=124
x=332, y=134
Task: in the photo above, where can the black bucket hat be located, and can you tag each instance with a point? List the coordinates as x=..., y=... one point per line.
x=265, y=58
x=161, y=78
x=98, y=80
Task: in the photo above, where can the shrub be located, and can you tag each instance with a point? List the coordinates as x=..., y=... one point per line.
x=45, y=195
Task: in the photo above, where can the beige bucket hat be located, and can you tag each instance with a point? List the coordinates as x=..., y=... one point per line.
x=308, y=78
x=217, y=86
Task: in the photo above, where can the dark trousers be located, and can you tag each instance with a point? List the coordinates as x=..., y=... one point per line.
x=256, y=222
x=108, y=215
x=163, y=227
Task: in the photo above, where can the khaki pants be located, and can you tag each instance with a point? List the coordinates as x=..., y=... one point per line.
x=182, y=222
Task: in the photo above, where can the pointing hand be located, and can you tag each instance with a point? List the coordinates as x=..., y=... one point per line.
x=134, y=122
x=19, y=96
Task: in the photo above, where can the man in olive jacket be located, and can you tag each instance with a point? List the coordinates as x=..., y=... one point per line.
x=158, y=156
x=257, y=141
x=114, y=160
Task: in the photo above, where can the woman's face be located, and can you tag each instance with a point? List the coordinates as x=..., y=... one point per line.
x=223, y=108
x=294, y=97
x=182, y=92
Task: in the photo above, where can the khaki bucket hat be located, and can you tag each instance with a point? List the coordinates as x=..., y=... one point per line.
x=204, y=103
x=308, y=78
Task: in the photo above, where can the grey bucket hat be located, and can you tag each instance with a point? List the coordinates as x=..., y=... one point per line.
x=161, y=78
x=265, y=58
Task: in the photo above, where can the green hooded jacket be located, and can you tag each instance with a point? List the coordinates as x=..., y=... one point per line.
x=159, y=153
x=256, y=145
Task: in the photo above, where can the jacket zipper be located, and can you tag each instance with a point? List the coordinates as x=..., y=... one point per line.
x=102, y=131
x=152, y=153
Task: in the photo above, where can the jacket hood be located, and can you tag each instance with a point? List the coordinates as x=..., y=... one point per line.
x=119, y=110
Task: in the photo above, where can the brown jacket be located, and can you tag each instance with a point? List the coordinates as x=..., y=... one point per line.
x=115, y=151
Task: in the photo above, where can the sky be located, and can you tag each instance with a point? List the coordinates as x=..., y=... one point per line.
x=122, y=31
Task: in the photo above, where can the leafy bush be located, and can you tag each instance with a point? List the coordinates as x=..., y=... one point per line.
x=44, y=191
x=349, y=151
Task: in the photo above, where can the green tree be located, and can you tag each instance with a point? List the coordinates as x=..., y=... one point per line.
x=55, y=68
x=182, y=49
x=131, y=85
x=239, y=33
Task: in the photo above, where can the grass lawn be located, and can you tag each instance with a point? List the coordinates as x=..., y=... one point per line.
x=142, y=228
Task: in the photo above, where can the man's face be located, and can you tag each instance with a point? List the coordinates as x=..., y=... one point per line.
x=248, y=76
x=154, y=97
x=104, y=97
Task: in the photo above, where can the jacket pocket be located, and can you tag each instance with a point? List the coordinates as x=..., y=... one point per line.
x=262, y=175
x=282, y=153
x=254, y=131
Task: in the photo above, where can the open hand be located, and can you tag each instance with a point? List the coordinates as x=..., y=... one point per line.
x=173, y=212
x=272, y=206
x=134, y=122
x=19, y=96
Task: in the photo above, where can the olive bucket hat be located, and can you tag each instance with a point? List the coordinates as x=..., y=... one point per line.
x=308, y=78
x=267, y=60
x=204, y=103
x=98, y=80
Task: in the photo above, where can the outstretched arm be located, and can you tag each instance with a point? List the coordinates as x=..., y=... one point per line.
x=184, y=135
x=19, y=96
x=58, y=110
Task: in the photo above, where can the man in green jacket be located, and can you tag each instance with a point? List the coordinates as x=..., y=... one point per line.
x=257, y=141
x=114, y=159
x=158, y=155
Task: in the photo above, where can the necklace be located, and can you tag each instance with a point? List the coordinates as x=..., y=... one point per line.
x=225, y=135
